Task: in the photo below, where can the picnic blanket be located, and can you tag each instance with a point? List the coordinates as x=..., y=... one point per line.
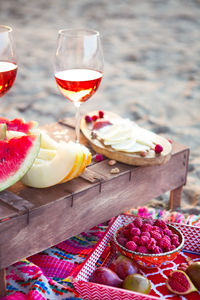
x=47, y=275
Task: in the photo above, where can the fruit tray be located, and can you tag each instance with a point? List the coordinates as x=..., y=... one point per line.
x=104, y=252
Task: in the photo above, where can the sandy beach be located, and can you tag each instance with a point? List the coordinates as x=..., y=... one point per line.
x=151, y=75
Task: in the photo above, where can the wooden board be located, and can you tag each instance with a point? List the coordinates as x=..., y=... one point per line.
x=128, y=158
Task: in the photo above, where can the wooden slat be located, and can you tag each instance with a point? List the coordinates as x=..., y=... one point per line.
x=91, y=176
x=16, y=202
x=6, y=212
x=2, y=282
x=175, y=198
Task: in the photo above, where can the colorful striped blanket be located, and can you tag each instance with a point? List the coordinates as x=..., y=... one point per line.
x=46, y=275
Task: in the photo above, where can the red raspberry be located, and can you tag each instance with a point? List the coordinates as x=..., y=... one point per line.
x=94, y=118
x=98, y=157
x=126, y=232
x=101, y=114
x=130, y=226
x=88, y=119
x=136, y=239
x=156, y=235
x=167, y=232
x=158, y=149
x=172, y=247
x=122, y=241
x=121, y=233
x=151, y=243
x=146, y=227
x=145, y=233
x=174, y=235
x=166, y=237
x=165, y=244
x=160, y=223
x=156, y=228
x=175, y=241
x=135, y=231
x=156, y=250
x=131, y=245
x=149, y=220
x=143, y=240
x=138, y=222
x=142, y=249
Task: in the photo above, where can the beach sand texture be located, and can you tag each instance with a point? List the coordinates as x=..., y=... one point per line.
x=151, y=74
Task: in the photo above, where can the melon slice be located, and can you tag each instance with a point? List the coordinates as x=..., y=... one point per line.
x=80, y=160
x=46, y=154
x=16, y=157
x=19, y=125
x=87, y=160
x=50, y=172
x=47, y=142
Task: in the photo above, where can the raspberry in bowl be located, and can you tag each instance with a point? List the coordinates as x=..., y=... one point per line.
x=149, y=242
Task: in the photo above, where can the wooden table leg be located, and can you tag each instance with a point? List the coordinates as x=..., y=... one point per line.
x=175, y=198
x=2, y=282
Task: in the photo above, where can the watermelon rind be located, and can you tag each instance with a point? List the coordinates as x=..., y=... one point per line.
x=25, y=166
x=11, y=134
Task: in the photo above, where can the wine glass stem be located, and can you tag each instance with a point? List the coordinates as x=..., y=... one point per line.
x=77, y=129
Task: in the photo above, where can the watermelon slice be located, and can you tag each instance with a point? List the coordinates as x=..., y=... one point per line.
x=19, y=125
x=18, y=153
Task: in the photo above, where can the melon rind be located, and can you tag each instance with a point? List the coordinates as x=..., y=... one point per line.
x=3, y=129
x=25, y=166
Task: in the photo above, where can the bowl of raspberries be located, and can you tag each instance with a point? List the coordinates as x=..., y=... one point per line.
x=150, y=242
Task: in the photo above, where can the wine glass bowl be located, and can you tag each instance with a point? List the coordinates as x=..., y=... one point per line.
x=78, y=66
x=8, y=65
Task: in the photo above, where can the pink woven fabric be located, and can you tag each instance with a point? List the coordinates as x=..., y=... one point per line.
x=46, y=275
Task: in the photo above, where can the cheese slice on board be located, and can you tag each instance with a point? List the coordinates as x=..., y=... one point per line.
x=125, y=141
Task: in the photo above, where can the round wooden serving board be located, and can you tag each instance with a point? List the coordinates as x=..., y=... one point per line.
x=128, y=158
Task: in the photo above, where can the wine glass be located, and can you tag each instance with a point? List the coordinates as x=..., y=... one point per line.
x=78, y=66
x=8, y=65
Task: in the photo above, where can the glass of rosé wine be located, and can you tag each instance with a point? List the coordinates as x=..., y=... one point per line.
x=78, y=67
x=8, y=65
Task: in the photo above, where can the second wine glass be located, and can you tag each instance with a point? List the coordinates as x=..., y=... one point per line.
x=78, y=66
x=8, y=65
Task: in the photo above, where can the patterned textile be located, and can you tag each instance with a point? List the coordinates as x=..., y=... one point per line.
x=46, y=275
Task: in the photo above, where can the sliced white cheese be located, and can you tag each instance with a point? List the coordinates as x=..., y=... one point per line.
x=127, y=144
x=116, y=133
x=125, y=135
x=135, y=148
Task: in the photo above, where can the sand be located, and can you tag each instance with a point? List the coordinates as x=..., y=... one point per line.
x=151, y=75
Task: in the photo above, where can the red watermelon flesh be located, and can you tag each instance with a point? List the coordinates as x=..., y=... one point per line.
x=16, y=157
x=18, y=125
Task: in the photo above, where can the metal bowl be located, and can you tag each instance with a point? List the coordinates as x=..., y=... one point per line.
x=148, y=260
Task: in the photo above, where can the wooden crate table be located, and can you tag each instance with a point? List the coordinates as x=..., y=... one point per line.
x=32, y=220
